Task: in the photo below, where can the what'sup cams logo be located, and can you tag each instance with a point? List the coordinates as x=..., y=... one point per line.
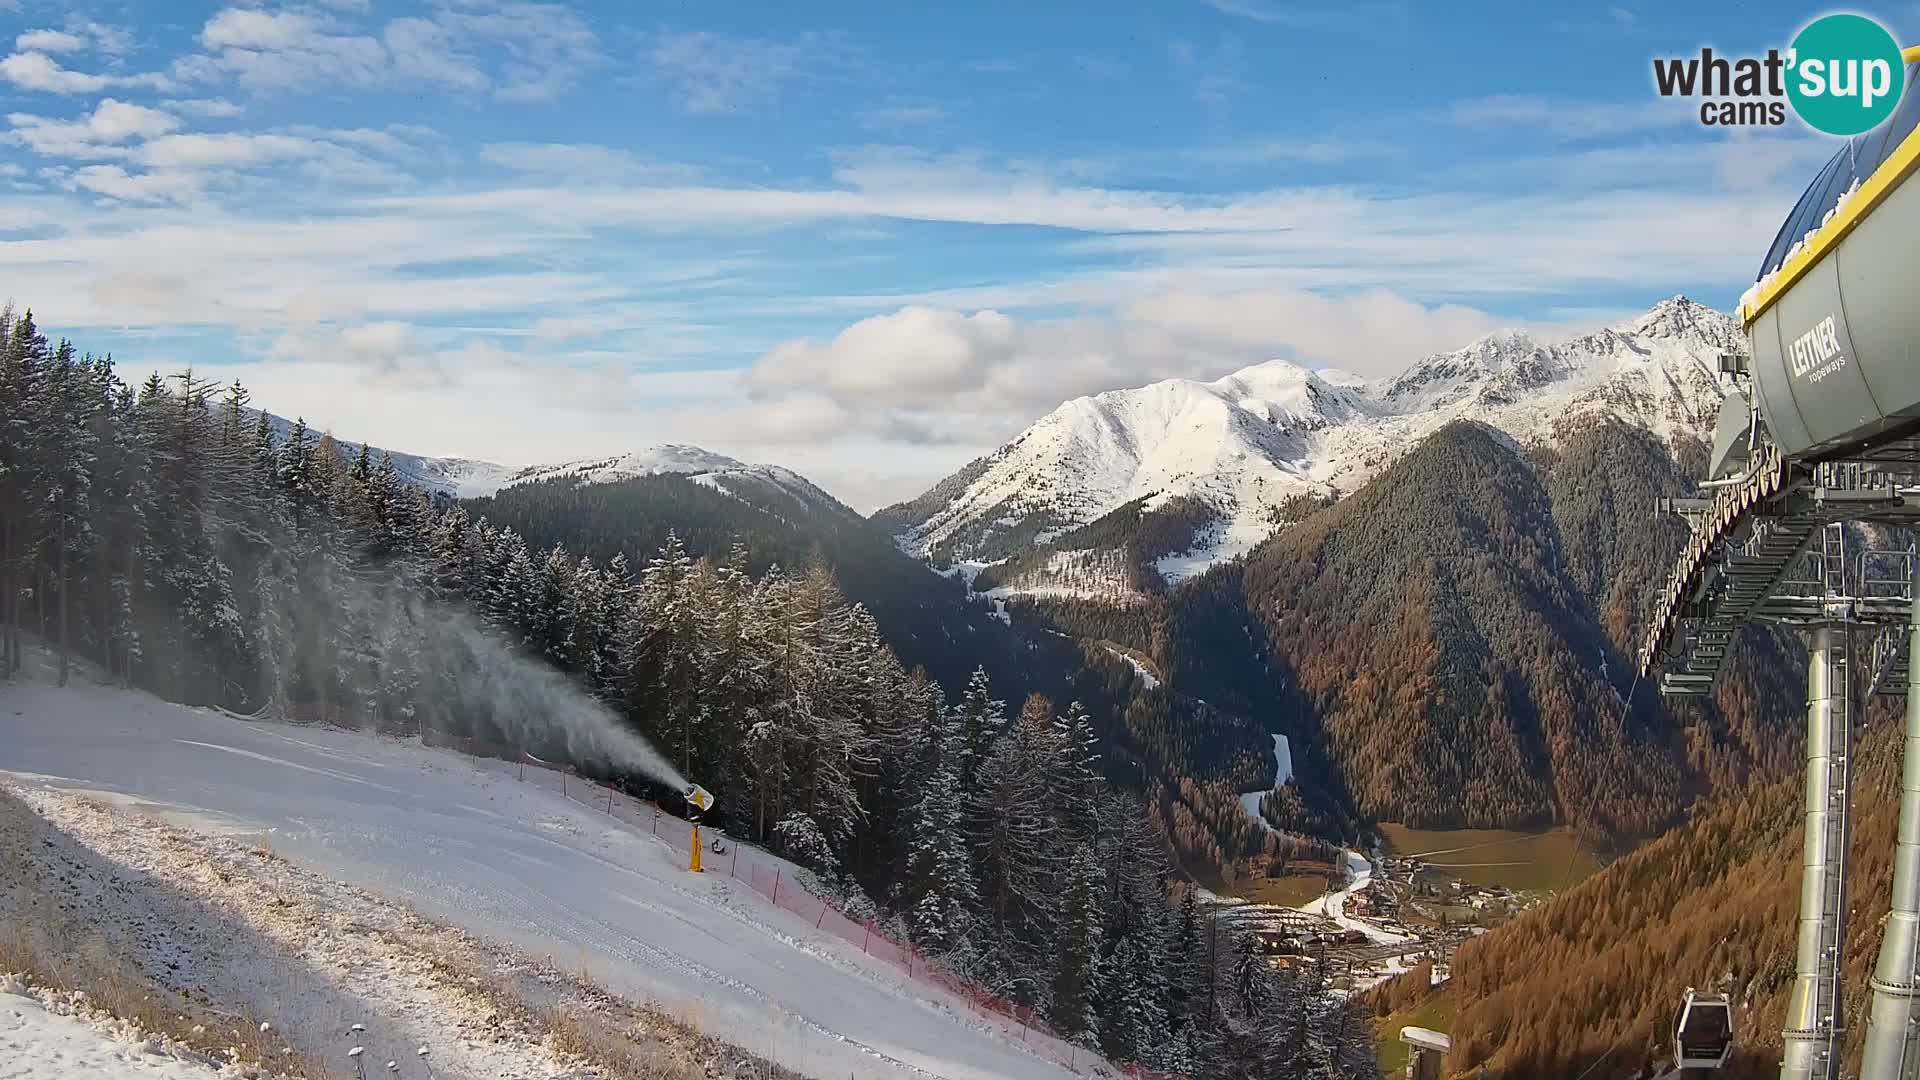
x=1843, y=75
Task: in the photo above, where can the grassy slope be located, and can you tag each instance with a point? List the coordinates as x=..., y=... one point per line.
x=1541, y=862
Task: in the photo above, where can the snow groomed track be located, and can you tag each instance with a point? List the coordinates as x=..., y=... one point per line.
x=466, y=840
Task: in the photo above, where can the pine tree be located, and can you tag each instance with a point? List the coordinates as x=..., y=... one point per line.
x=939, y=893
x=1021, y=853
x=21, y=363
x=1073, y=992
x=70, y=399
x=982, y=718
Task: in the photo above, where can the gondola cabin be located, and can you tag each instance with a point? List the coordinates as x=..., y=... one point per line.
x=1703, y=1033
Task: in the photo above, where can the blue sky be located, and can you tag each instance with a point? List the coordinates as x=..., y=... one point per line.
x=868, y=241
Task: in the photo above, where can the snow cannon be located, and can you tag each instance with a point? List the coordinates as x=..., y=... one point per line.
x=1831, y=318
x=700, y=800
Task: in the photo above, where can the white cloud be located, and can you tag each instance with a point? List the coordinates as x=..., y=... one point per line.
x=49, y=41
x=1459, y=241
x=390, y=350
x=246, y=28
x=38, y=71
x=429, y=51
x=212, y=108
x=548, y=47
x=581, y=162
x=77, y=37
x=111, y=40
x=535, y=407
x=914, y=356
x=720, y=73
x=224, y=151
x=116, y=121
x=517, y=51
x=97, y=136
x=1374, y=332
x=147, y=295
x=929, y=375
x=268, y=50
x=114, y=182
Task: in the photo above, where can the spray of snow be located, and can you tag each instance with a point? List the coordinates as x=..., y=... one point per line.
x=529, y=702
x=533, y=703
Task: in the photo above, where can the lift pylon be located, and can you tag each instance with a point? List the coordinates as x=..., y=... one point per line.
x=1816, y=1024
x=1893, y=1026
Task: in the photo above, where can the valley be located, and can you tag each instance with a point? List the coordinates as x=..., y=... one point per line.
x=1547, y=862
x=1238, y=674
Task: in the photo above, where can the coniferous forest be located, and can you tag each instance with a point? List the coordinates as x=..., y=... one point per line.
x=167, y=536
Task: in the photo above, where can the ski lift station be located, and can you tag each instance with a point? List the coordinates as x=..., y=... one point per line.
x=1821, y=432
x=1425, y=1051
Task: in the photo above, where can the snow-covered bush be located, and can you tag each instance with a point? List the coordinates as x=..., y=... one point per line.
x=802, y=841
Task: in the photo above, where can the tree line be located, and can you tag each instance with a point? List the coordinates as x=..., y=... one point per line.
x=168, y=535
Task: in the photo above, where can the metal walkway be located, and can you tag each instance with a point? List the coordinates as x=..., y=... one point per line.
x=1751, y=559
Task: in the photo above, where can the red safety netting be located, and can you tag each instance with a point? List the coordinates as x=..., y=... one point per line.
x=756, y=871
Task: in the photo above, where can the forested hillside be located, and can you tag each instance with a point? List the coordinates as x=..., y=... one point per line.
x=1455, y=641
x=158, y=534
x=1187, y=758
x=1600, y=971
x=923, y=616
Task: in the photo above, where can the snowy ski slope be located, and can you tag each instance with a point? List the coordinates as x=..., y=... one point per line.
x=42, y=1043
x=462, y=839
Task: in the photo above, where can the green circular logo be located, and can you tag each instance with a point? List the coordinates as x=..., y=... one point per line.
x=1845, y=74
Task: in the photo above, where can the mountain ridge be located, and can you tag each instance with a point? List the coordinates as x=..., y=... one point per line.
x=1249, y=442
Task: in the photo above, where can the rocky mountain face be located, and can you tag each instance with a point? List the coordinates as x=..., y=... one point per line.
x=1244, y=455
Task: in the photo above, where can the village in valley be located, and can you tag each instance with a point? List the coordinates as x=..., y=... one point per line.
x=1391, y=914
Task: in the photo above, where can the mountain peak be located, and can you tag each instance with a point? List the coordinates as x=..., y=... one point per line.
x=1679, y=315
x=1245, y=447
x=653, y=461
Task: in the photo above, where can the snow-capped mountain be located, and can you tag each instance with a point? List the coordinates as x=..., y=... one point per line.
x=729, y=476
x=467, y=478
x=654, y=461
x=1247, y=443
